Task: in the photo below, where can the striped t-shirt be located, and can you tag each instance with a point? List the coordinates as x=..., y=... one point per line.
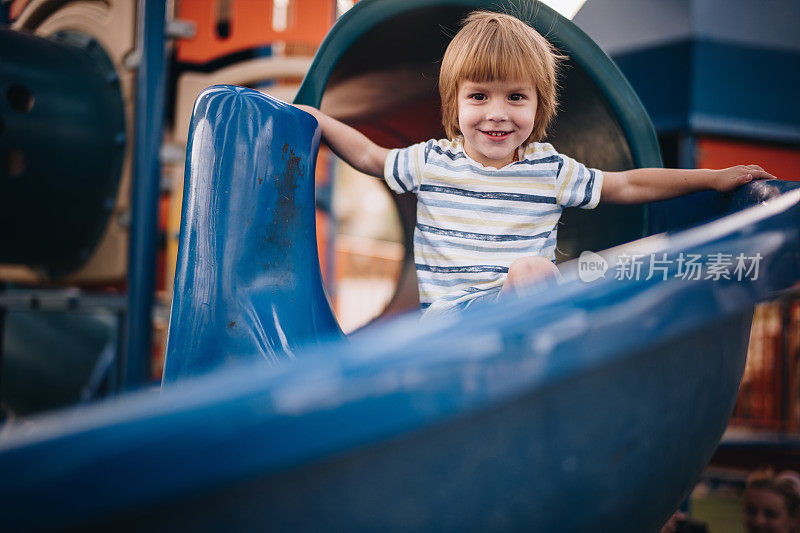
x=474, y=221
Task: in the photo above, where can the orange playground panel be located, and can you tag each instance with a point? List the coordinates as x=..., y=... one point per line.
x=228, y=26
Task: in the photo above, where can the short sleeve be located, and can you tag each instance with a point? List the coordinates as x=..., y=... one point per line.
x=577, y=185
x=404, y=166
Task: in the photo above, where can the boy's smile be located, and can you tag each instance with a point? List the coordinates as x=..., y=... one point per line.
x=495, y=117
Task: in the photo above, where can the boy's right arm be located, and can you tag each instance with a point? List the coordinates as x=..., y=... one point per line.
x=350, y=144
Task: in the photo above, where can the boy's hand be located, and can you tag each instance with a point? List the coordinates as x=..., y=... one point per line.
x=732, y=178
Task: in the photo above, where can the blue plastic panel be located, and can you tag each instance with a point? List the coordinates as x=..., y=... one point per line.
x=691, y=89
x=247, y=281
x=151, y=90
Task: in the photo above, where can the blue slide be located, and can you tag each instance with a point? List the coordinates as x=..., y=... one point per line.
x=590, y=406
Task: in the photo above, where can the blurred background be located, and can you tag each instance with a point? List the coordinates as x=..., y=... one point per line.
x=95, y=102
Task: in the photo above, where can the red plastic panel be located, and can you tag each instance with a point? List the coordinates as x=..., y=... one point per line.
x=782, y=161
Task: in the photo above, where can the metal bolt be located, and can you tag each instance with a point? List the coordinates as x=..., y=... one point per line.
x=180, y=29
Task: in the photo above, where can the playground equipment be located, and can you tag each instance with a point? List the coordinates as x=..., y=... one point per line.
x=602, y=122
x=589, y=396
x=82, y=114
x=82, y=169
x=86, y=220
x=63, y=209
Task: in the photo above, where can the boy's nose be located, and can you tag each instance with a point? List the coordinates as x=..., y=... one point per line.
x=496, y=112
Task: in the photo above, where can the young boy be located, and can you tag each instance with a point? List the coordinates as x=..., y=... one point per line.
x=490, y=196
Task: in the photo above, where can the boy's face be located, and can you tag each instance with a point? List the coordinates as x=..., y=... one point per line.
x=495, y=118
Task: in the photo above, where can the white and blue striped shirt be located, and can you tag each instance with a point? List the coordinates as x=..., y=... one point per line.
x=474, y=221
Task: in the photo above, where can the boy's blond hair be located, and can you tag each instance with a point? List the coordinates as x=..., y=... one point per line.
x=495, y=46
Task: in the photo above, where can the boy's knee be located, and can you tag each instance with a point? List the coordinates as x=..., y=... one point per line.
x=530, y=269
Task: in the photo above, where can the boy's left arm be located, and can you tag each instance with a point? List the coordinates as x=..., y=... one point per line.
x=644, y=185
